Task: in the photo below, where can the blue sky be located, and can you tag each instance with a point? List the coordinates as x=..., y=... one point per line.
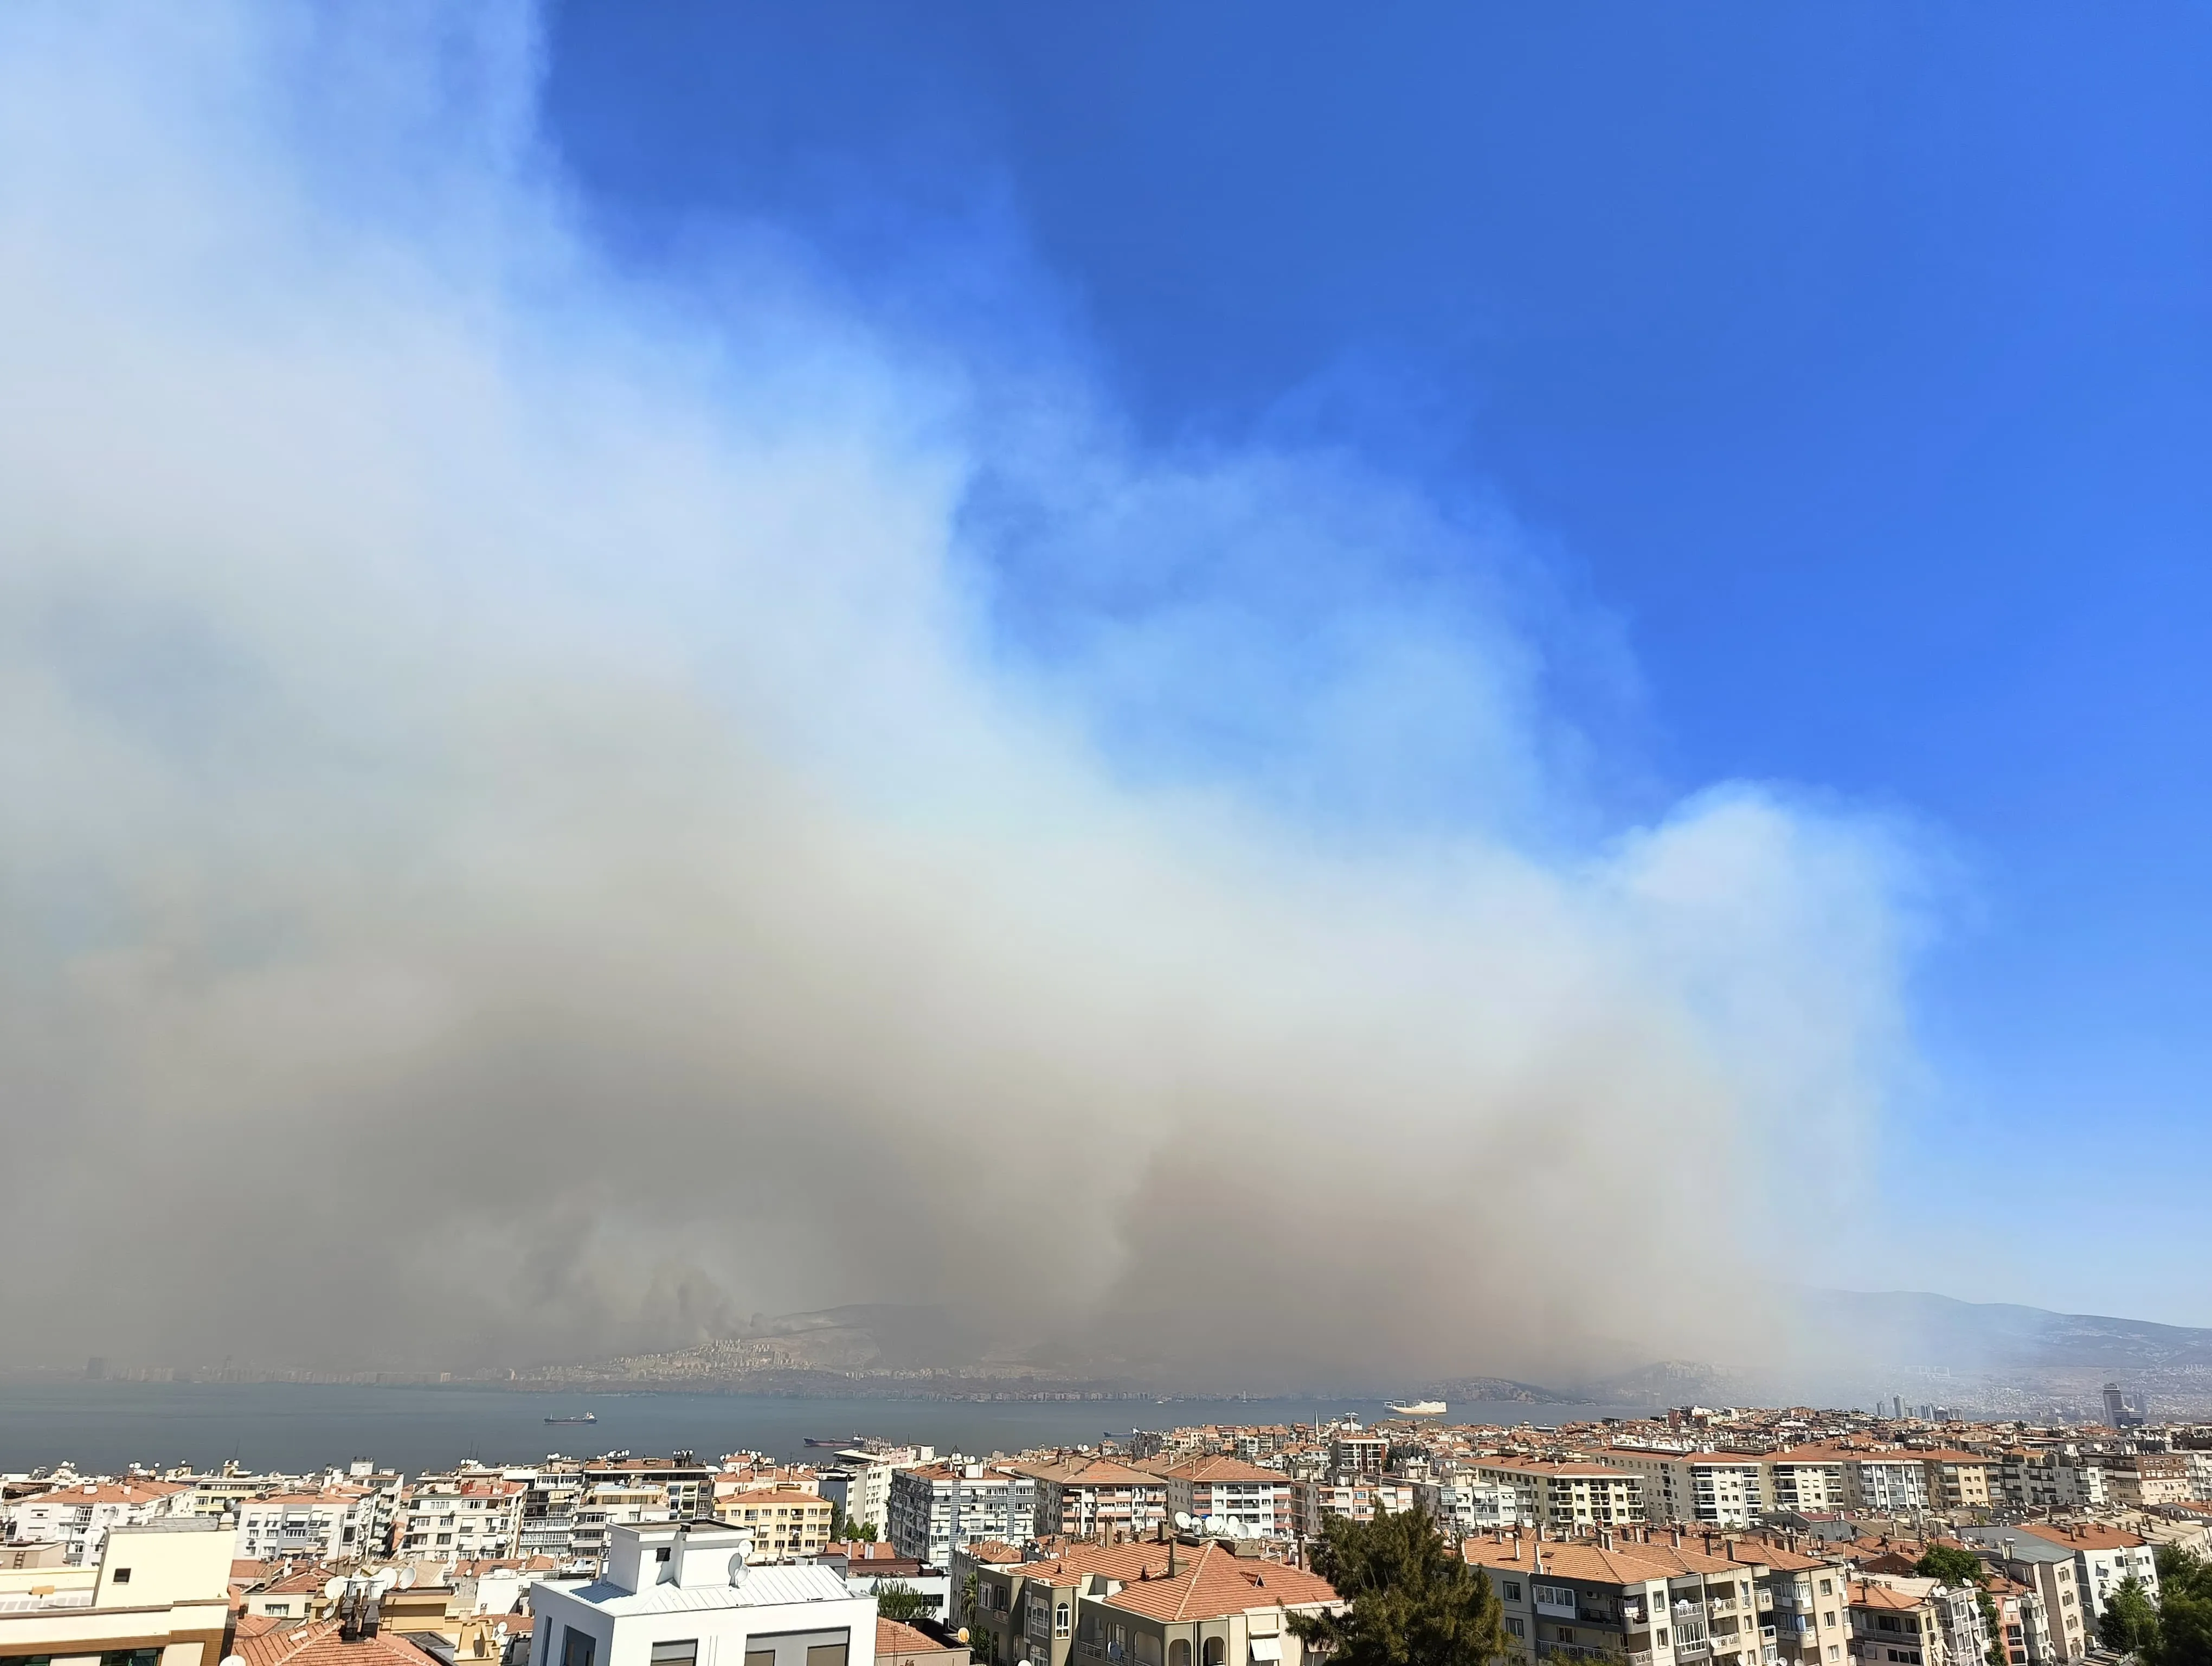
x=1851, y=366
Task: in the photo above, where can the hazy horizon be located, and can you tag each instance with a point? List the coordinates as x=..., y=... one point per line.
x=576, y=779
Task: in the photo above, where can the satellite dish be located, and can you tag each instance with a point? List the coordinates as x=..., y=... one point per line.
x=738, y=1570
x=1183, y=1520
x=964, y=1638
x=499, y=1631
x=332, y=1589
x=1215, y=1525
x=384, y=1580
x=407, y=1577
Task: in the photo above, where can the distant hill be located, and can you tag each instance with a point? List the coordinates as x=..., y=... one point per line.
x=1910, y=1327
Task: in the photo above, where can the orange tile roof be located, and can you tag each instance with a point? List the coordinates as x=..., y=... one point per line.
x=895, y=1638
x=1222, y=1466
x=2088, y=1535
x=1216, y=1581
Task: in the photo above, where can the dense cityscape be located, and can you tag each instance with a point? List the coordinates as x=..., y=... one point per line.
x=1742, y=1537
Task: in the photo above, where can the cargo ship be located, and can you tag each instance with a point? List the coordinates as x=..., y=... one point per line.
x=584, y=1417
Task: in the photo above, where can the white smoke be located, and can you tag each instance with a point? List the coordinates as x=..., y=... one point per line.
x=525, y=830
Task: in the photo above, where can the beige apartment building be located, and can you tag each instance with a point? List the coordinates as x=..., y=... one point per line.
x=1567, y=1497
x=1251, y=1502
x=1962, y=1480
x=1647, y=1603
x=784, y=1521
x=1094, y=1498
x=1806, y=1478
x=158, y=1595
x=470, y=1519
x=1704, y=1489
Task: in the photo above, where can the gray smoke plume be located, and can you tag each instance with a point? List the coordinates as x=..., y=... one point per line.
x=526, y=832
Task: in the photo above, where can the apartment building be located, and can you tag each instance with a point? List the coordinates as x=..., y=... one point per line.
x=1566, y=1497
x=606, y=1506
x=1801, y=1600
x=463, y=1516
x=155, y=1593
x=337, y=1525
x=1212, y=1607
x=1962, y=1480
x=1354, y=1454
x=1624, y=1599
x=2102, y=1556
x=935, y=1507
x=1463, y=1506
x=1706, y=1489
x=1888, y=1483
x=1083, y=1497
x=1961, y=1632
x=1895, y=1627
x=1248, y=1502
x=683, y=1594
x=860, y=1484
x=2143, y=1481
x=2052, y=1478
x=2024, y=1626
x=1025, y=1612
x=1807, y=1479
x=79, y=1517
x=2034, y=1564
x=784, y=1521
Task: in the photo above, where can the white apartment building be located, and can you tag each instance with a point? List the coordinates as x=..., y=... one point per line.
x=936, y=1506
x=861, y=1485
x=461, y=1517
x=1885, y=1483
x=1248, y=1501
x=79, y=1516
x=1463, y=1506
x=338, y=1524
x=683, y=1594
x=1805, y=1478
x=1709, y=1489
x=1567, y=1496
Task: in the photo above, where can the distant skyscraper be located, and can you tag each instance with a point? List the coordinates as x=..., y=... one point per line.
x=2117, y=1411
x=95, y=1368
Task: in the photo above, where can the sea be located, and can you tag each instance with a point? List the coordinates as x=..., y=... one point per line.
x=294, y=1427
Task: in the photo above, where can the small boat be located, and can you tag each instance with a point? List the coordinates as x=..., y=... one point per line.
x=582, y=1417
x=1419, y=1408
x=840, y=1440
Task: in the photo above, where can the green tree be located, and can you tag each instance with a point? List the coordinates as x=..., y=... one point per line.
x=897, y=1600
x=1952, y=1566
x=2131, y=1625
x=1413, y=1599
x=2184, y=1607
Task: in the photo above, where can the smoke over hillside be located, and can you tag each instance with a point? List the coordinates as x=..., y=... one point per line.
x=531, y=826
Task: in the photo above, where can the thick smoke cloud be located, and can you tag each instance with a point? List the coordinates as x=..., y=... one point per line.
x=539, y=819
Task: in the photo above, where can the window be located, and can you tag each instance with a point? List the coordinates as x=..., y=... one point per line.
x=1512, y=1590
x=1515, y=1627
x=577, y=1647
x=826, y=1654
x=660, y=1553
x=682, y=1652
x=1060, y=1619
x=1217, y=1650
x=760, y=1657
x=123, y=1576
x=1178, y=1653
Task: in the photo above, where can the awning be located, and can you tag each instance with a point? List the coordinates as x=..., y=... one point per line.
x=1267, y=1648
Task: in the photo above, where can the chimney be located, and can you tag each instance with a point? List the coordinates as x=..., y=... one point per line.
x=1678, y=1538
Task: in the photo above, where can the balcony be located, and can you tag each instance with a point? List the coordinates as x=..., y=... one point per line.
x=1691, y=1648
x=1766, y=1600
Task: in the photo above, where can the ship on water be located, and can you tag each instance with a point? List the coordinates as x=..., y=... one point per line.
x=1419, y=1408
x=581, y=1417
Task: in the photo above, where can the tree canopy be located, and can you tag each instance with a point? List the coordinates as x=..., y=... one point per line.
x=2130, y=1623
x=1952, y=1566
x=897, y=1600
x=1413, y=1600
x=2185, y=1609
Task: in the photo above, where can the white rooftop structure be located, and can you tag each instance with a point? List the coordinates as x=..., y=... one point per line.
x=687, y=1594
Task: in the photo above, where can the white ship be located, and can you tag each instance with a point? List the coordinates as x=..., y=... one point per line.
x=1421, y=1408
